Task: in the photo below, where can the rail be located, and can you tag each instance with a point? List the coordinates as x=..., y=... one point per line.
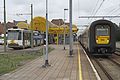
x=117, y=52
x=104, y=70
x=118, y=64
x=100, y=65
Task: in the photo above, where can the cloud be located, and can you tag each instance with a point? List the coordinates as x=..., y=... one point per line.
x=56, y=9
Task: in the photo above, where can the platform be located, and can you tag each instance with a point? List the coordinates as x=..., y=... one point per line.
x=63, y=67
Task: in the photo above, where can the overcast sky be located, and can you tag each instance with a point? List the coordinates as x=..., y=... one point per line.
x=56, y=9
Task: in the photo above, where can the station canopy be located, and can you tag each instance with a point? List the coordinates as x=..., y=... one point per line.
x=23, y=25
x=62, y=28
x=39, y=23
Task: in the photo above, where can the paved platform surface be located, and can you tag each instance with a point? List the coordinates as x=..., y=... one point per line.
x=87, y=71
x=63, y=67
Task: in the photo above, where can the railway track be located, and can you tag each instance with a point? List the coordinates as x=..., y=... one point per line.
x=103, y=69
x=117, y=52
x=109, y=67
x=117, y=49
x=99, y=64
x=115, y=62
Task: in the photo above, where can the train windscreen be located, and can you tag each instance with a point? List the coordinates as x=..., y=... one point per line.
x=14, y=35
x=102, y=30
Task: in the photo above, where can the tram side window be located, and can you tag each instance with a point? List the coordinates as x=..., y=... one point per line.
x=27, y=36
x=19, y=36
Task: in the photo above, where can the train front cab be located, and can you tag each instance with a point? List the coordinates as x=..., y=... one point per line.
x=102, y=38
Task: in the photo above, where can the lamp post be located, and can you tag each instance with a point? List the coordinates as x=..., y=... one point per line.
x=32, y=25
x=5, y=42
x=64, y=27
x=71, y=36
x=46, y=55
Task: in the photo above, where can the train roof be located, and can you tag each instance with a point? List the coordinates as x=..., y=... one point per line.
x=101, y=21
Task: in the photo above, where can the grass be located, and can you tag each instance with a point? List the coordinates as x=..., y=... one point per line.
x=11, y=61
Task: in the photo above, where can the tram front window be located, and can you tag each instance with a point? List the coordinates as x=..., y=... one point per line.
x=14, y=35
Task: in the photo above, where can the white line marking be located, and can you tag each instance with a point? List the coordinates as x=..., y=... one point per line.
x=95, y=71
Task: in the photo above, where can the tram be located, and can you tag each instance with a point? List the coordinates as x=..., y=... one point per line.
x=21, y=38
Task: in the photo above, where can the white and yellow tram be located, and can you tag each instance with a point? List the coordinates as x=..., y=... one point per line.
x=21, y=38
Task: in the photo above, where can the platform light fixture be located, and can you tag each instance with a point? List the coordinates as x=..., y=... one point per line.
x=46, y=59
x=32, y=25
x=71, y=36
x=5, y=40
x=64, y=27
x=47, y=25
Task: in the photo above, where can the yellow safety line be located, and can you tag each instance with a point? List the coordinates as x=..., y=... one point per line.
x=79, y=65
